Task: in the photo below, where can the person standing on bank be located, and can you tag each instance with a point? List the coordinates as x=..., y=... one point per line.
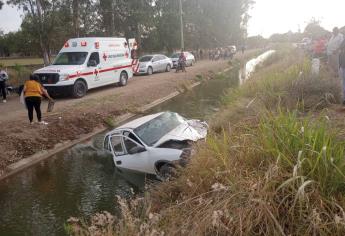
x=3, y=79
x=342, y=67
x=33, y=92
x=333, y=46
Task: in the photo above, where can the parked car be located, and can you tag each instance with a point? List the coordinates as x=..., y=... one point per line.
x=150, y=64
x=190, y=59
x=154, y=144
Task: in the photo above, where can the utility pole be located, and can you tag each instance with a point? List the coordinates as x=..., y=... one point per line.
x=181, y=22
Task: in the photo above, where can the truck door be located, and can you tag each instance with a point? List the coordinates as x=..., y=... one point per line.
x=129, y=154
x=94, y=65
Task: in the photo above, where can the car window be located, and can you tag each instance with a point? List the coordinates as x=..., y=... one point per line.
x=161, y=57
x=70, y=58
x=145, y=58
x=132, y=136
x=106, y=143
x=153, y=130
x=94, y=56
x=116, y=142
x=155, y=58
x=129, y=144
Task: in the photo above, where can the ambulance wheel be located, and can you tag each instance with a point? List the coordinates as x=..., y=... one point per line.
x=123, y=78
x=168, y=68
x=150, y=70
x=79, y=89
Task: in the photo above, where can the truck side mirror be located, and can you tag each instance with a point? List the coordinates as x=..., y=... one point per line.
x=92, y=63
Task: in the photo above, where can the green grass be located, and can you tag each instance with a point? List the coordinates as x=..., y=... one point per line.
x=21, y=61
x=273, y=164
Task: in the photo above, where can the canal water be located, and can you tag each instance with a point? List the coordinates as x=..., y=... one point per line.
x=82, y=181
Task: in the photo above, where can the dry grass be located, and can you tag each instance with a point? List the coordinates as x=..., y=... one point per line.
x=272, y=165
x=21, y=61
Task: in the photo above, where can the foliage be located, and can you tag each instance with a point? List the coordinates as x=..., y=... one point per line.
x=47, y=24
x=314, y=30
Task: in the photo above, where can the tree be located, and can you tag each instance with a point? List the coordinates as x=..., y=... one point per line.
x=314, y=30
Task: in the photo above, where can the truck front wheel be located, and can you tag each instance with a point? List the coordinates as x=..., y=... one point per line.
x=79, y=89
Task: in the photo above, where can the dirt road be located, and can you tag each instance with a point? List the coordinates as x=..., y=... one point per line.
x=74, y=117
x=107, y=96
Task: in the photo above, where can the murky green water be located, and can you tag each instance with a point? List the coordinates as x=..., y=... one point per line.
x=82, y=181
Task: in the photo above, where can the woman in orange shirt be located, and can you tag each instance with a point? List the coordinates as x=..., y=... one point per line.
x=33, y=92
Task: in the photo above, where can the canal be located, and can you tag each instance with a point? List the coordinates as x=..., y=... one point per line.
x=82, y=181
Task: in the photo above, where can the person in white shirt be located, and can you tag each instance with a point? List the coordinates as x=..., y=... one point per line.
x=3, y=78
x=333, y=47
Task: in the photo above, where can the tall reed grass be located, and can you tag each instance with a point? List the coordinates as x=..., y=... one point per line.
x=273, y=164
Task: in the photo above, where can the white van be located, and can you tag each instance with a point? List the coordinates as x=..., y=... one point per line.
x=87, y=63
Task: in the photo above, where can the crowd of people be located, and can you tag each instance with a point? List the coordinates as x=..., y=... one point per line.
x=215, y=54
x=221, y=53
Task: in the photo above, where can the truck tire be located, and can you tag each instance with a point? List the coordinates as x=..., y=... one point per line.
x=123, y=79
x=166, y=172
x=79, y=89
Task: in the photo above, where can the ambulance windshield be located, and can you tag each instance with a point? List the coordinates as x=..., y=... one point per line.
x=70, y=58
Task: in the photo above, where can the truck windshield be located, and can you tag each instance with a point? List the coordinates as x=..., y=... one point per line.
x=145, y=58
x=153, y=130
x=70, y=58
x=176, y=55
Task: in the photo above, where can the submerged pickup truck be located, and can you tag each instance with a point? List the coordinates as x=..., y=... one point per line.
x=154, y=144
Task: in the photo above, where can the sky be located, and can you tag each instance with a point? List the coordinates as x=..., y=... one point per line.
x=280, y=16
x=267, y=16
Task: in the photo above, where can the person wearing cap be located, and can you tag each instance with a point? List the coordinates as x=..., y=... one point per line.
x=333, y=46
x=3, y=79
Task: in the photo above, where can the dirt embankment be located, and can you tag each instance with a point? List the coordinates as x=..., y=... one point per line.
x=75, y=117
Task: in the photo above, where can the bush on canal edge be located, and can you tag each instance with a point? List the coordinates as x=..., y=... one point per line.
x=273, y=164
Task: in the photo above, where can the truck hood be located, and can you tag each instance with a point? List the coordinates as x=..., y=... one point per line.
x=61, y=69
x=190, y=130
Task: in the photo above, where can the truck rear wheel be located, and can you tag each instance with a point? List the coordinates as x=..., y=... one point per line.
x=79, y=89
x=123, y=78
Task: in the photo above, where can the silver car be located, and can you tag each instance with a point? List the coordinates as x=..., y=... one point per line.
x=190, y=59
x=150, y=64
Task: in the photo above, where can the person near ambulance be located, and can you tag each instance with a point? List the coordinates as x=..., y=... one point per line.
x=33, y=92
x=3, y=79
x=333, y=47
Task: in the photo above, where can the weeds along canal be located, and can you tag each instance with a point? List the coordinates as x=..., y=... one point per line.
x=82, y=181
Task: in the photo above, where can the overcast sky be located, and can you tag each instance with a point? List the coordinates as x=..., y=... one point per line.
x=268, y=16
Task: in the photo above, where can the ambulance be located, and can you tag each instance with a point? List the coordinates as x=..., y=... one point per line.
x=86, y=63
